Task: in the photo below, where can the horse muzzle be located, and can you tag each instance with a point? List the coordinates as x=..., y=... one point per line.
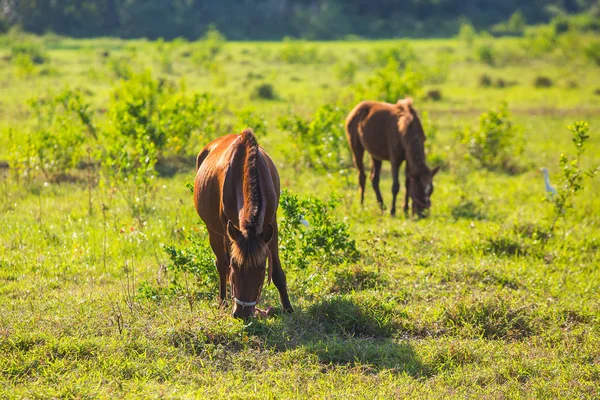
x=243, y=309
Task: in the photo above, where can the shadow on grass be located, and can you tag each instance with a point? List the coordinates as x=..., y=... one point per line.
x=341, y=331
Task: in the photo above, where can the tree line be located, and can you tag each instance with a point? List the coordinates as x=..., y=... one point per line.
x=275, y=19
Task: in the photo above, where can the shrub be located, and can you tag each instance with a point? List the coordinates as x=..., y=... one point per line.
x=434, y=94
x=320, y=142
x=486, y=54
x=196, y=259
x=250, y=118
x=592, y=52
x=166, y=115
x=390, y=84
x=325, y=241
x=30, y=50
x=208, y=47
x=542, y=82
x=402, y=54
x=467, y=33
x=485, y=80
x=345, y=72
x=496, y=142
x=56, y=144
x=298, y=52
x=263, y=91
x=540, y=40
x=129, y=167
x=120, y=67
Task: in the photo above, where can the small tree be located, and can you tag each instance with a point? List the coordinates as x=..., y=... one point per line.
x=572, y=180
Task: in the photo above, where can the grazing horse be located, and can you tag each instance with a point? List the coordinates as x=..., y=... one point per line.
x=236, y=193
x=391, y=132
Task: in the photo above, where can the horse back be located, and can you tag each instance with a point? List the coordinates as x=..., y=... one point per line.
x=375, y=125
x=218, y=189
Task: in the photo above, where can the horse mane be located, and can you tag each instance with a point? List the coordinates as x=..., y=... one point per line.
x=248, y=249
x=413, y=137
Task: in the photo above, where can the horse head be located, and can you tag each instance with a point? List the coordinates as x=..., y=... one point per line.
x=421, y=189
x=247, y=269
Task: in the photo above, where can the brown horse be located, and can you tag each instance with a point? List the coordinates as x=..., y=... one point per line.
x=391, y=132
x=236, y=194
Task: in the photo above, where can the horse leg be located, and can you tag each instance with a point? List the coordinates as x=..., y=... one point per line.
x=217, y=243
x=357, y=156
x=278, y=274
x=375, y=173
x=395, y=183
x=406, y=194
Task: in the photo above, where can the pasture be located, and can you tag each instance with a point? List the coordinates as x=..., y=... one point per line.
x=106, y=284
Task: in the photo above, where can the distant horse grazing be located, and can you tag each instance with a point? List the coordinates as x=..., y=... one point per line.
x=236, y=194
x=391, y=132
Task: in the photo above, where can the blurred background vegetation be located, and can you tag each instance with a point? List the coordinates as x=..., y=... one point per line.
x=308, y=19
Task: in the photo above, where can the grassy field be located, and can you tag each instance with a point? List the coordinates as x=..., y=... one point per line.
x=478, y=300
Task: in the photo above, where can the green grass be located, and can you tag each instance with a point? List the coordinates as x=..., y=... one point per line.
x=465, y=303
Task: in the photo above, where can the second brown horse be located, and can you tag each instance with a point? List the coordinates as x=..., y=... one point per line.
x=391, y=132
x=236, y=194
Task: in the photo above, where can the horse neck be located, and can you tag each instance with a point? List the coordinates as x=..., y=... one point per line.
x=415, y=151
x=251, y=187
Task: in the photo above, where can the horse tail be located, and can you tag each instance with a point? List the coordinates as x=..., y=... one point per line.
x=353, y=120
x=201, y=157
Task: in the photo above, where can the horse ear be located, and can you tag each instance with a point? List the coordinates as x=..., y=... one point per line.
x=233, y=232
x=267, y=234
x=435, y=171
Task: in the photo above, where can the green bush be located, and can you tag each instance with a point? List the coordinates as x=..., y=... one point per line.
x=486, y=54
x=467, y=34
x=250, y=118
x=325, y=241
x=197, y=259
x=55, y=146
x=497, y=141
x=345, y=72
x=542, y=82
x=319, y=142
x=263, y=91
x=403, y=54
x=168, y=116
x=129, y=167
x=298, y=52
x=29, y=49
x=391, y=83
x=208, y=47
x=592, y=52
x=540, y=40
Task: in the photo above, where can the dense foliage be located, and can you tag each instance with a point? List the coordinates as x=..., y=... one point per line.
x=272, y=19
